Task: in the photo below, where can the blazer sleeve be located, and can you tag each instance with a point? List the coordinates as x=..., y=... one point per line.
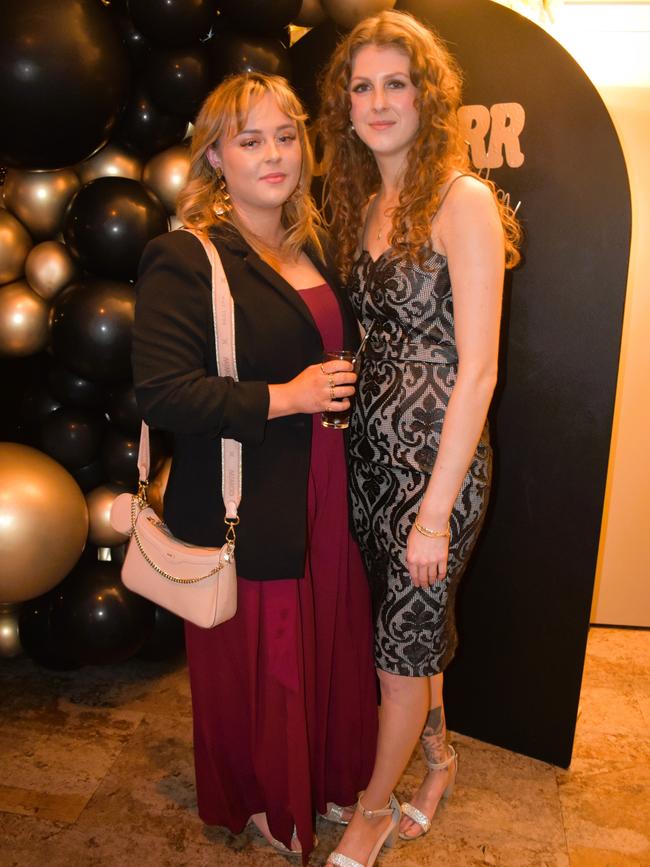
x=171, y=342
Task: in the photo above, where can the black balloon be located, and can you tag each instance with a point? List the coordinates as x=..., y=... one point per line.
x=38, y=634
x=91, y=329
x=167, y=639
x=63, y=81
x=259, y=16
x=102, y=621
x=145, y=128
x=37, y=404
x=109, y=222
x=137, y=44
x=90, y=476
x=72, y=436
x=117, y=554
x=75, y=390
x=232, y=53
x=173, y=22
x=308, y=58
x=123, y=410
x=120, y=456
x=179, y=79
x=24, y=397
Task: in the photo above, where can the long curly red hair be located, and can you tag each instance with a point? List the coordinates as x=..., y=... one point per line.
x=351, y=173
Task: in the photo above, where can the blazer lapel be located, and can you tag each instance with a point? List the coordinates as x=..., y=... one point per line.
x=280, y=285
x=235, y=242
x=350, y=329
x=351, y=337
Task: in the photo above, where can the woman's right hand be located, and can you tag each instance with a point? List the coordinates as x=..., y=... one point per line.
x=318, y=388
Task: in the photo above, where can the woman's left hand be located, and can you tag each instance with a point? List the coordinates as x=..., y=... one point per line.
x=426, y=558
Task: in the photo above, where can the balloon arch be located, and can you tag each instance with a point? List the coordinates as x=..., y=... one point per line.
x=101, y=95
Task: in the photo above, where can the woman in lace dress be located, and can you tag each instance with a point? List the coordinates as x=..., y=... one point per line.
x=422, y=245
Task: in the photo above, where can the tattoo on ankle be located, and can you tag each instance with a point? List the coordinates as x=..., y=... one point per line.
x=434, y=736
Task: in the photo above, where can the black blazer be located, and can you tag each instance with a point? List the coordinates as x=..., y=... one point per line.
x=178, y=390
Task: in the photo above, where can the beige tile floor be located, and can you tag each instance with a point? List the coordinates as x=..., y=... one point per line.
x=95, y=769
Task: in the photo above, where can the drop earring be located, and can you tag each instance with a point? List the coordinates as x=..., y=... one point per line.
x=222, y=203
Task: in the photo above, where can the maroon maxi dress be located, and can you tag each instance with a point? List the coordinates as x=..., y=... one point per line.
x=284, y=695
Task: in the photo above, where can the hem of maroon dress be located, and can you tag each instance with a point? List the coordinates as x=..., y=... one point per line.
x=236, y=831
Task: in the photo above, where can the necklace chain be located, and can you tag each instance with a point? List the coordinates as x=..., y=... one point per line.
x=383, y=225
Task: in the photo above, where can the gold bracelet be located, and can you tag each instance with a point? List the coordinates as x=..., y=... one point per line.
x=433, y=534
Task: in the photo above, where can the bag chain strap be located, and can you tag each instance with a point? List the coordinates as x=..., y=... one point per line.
x=229, y=546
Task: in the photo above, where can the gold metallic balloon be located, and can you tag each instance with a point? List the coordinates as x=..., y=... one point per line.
x=24, y=320
x=110, y=162
x=156, y=491
x=15, y=244
x=43, y=522
x=311, y=13
x=347, y=13
x=166, y=174
x=9, y=637
x=49, y=268
x=99, y=502
x=39, y=199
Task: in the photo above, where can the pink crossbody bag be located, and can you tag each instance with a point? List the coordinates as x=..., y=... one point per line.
x=198, y=584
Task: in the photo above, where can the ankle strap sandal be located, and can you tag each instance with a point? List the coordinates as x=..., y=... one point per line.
x=372, y=814
x=418, y=816
x=388, y=838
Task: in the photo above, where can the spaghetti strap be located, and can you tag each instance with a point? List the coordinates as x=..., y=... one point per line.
x=440, y=203
x=448, y=190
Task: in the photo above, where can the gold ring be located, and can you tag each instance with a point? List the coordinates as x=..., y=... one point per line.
x=330, y=377
x=332, y=393
x=323, y=369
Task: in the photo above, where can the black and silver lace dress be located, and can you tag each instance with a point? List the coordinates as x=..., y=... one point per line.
x=408, y=372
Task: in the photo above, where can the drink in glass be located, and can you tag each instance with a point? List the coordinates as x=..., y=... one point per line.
x=338, y=419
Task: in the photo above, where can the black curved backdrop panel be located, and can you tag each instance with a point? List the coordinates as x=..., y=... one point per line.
x=525, y=601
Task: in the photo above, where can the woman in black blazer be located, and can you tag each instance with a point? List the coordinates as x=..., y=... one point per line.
x=283, y=694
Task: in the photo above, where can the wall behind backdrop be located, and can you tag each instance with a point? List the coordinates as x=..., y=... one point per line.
x=611, y=41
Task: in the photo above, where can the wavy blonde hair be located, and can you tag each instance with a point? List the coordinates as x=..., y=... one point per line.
x=351, y=173
x=222, y=116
